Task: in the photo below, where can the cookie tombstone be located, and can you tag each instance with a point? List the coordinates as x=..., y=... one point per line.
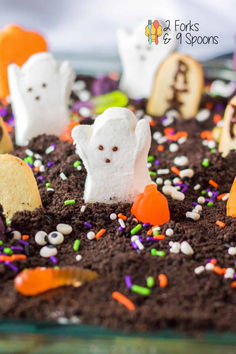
x=18, y=187
x=40, y=92
x=5, y=140
x=228, y=136
x=178, y=84
x=114, y=151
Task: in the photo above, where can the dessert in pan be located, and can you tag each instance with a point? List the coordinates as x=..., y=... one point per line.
x=117, y=210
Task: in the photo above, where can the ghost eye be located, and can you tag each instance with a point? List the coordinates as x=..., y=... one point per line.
x=30, y=89
x=115, y=148
x=100, y=147
x=55, y=238
x=44, y=85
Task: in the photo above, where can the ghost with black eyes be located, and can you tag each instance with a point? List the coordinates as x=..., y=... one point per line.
x=39, y=93
x=114, y=152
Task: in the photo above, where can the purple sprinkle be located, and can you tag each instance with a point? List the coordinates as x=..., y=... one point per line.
x=195, y=203
x=146, y=224
x=3, y=112
x=30, y=165
x=41, y=178
x=81, y=104
x=133, y=244
x=148, y=239
x=120, y=228
x=53, y=259
x=1, y=248
x=49, y=164
x=11, y=266
x=25, y=243
x=88, y=224
x=140, y=238
x=163, y=118
x=54, y=145
x=219, y=107
x=128, y=281
x=17, y=248
x=234, y=275
x=208, y=260
x=157, y=162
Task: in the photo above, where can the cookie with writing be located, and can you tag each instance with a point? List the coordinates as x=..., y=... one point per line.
x=5, y=140
x=228, y=136
x=178, y=84
x=18, y=187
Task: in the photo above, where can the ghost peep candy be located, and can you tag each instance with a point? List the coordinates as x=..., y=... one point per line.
x=39, y=95
x=16, y=46
x=178, y=84
x=140, y=60
x=18, y=187
x=114, y=152
x=5, y=140
x=228, y=136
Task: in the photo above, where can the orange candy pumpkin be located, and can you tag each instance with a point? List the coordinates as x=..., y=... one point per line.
x=151, y=206
x=231, y=203
x=16, y=46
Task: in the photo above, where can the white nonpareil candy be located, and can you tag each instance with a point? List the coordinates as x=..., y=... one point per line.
x=39, y=92
x=114, y=151
x=140, y=60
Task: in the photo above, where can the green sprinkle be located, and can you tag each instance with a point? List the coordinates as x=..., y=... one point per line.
x=152, y=173
x=161, y=253
x=48, y=184
x=156, y=232
x=1, y=242
x=203, y=192
x=213, y=150
x=69, y=201
x=151, y=158
x=136, y=229
x=140, y=290
x=210, y=204
x=28, y=159
x=153, y=252
x=8, y=221
x=76, y=245
x=150, y=282
x=56, y=267
x=77, y=163
x=205, y=162
x=7, y=250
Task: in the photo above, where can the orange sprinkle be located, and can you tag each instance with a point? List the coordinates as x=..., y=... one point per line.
x=122, y=216
x=152, y=123
x=175, y=170
x=18, y=257
x=209, y=105
x=123, y=300
x=233, y=284
x=25, y=237
x=181, y=135
x=207, y=134
x=213, y=261
x=219, y=270
x=37, y=169
x=5, y=258
x=160, y=147
x=213, y=183
x=163, y=281
x=8, y=127
x=217, y=118
x=159, y=237
x=100, y=233
x=219, y=197
x=220, y=223
x=149, y=232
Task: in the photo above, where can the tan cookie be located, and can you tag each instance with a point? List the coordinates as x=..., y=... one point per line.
x=18, y=187
x=178, y=84
x=231, y=203
x=228, y=136
x=5, y=140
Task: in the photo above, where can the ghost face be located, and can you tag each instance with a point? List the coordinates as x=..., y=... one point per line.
x=112, y=148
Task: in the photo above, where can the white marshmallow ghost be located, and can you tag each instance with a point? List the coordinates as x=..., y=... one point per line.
x=39, y=92
x=140, y=60
x=114, y=151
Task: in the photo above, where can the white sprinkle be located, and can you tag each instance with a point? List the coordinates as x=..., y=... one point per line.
x=173, y=147
x=167, y=182
x=175, y=247
x=136, y=240
x=209, y=194
x=186, y=248
x=172, y=191
x=176, y=180
x=156, y=136
x=79, y=168
x=203, y=115
x=169, y=232
x=78, y=257
x=29, y=152
x=63, y=320
x=225, y=197
x=121, y=222
x=197, y=187
x=201, y=200
x=172, y=113
x=192, y=215
x=78, y=85
x=113, y=216
x=229, y=274
x=188, y=172
x=209, y=266
x=90, y=235
x=37, y=163
x=159, y=181
x=149, y=164
x=85, y=112
x=16, y=235
x=156, y=228
x=167, y=121
x=42, y=168
x=50, y=189
x=84, y=95
x=197, y=209
x=163, y=171
x=182, y=140
x=205, y=142
x=63, y=176
x=181, y=160
x=82, y=209
x=232, y=251
x=211, y=144
x=48, y=251
x=162, y=140
x=38, y=156
x=50, y=149
x=199, y=270
x=65, y=229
